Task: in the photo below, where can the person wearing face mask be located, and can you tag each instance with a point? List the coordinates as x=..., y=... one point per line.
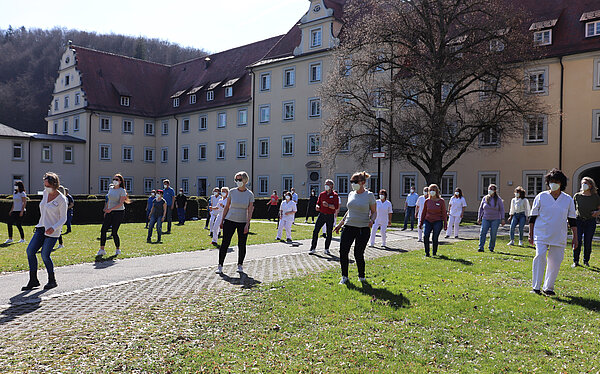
x=17, y=211
x=272, y=206
x=327, y=205
x=287, y=212
x=384, y=218
x=587, y=206
x=212, y=206
x=181, y=205
x=114, y=210
x=409, y=208
x=151, y=199
x=216, y=228
x=551, y=212
x=419, y=211
x=53, y=215
x=310, y=209
x=169, y=196
x=157, y=216
x=456, y=210
x=238, y=213
x=71, y=203
x=360, y=215
x=433, y=218
x=519, y=211
x=490, y=216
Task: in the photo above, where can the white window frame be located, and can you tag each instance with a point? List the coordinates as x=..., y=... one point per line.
x=103, y=183
x=77, y=99
x=313, y=150
x=596, y=125
x=123, y=151
x=148, y=185
x=482, y=187
x=164, y=155
x=285, y=138
x=596, y=78
x=450, y=191
x=528, y=122
x=220, y=182
x=128, y=181
x=164, y=128
x=105, y=124
x=228, y=91
x=260, y=180
x=542, y=37
x=284, y=178
x=65, y=126
x=55, y=127
x=268, y=142
x=75, y=123
x=66, y=101
x=319, y=67
x=124, y=129
x=264, y=82
x=414, y=177
x=533, y=174
x=221, y=120
x=185, y=185
x=245, y=154
x=219, y=144
x=108, y=148
x=291, y=74
x=596, y=27
x=125, y=101
x=193, y=99
x=47, y=147
x=175, y=102
x=185, y=153
x=316, y=37
x=242, y=117
x=342, y=191
x=19, y=146
x=56, y=105
x=185, y=125
x=533, y=75
x=202, y=122
x=264, y=113
x=311, y=102
x=150, y=126
x=210, y=95
x=288, y=111
x=484, y=143
x=152, y=152
x=200, y=146
x=67, y=79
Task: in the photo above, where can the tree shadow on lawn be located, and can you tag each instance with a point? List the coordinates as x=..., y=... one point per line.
x=20, y=305
x=590, y=304
x=459, y=260
x=381, y=295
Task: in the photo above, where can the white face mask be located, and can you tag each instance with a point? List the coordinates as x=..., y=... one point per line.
x=165, y=186
x=585, y=187
x=287, y=198
x=158, y=197
x=382, y=197
x=516, y=195
x=327, y=187
x=48, y=189
x=239, y=184
x=554, y=186
x=425, y=193
x=224, y=194
x=216, y=193
x=153, y=194
x=412, y=190
x=456, y=193
x=491, y=192
x=355, y=186
x=432, y=193
x=116, y=182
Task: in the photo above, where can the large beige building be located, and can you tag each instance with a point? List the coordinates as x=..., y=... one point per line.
x=257, y=108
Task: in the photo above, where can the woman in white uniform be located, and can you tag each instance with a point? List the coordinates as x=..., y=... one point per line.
x=215, y=229
x=548, y=231
x=287, y=214
x=213, y=201
x=456, y=209
x=384, y=218
x=419, y=210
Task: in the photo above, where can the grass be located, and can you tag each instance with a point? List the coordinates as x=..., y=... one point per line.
x=83, y=242
x=460, y=312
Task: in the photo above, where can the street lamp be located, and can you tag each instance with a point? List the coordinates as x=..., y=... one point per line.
x=379, y=155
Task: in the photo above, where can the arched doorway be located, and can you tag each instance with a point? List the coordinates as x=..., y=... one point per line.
x=590, y=170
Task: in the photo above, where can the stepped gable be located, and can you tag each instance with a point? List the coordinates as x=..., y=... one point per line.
x=222, y=69
x=106, y=76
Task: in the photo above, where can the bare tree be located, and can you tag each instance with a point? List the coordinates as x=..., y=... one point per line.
x=451, y=73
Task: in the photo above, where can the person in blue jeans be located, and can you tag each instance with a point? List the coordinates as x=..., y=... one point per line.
x=409, y=208
x=490, y=216
x=157, y=216
x=587, y=205
x=151, y=199
x=71, y=203
x=169, y=196
x=181, y=205
x=519, y=211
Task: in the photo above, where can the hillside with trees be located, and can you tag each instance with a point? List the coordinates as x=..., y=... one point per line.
x=29, y=62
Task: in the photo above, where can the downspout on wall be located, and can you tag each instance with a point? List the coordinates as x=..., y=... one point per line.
x=560, y=142
x=176, y=153
x=89, y=140
x=253, y=122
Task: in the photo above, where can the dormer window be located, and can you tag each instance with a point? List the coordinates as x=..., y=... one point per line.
x=316, y=38
x=124, y=100
x=228, y=91
x=175, y=102
x=543, y=37
x=210, y=95
x=193, y=99
x=592, y=29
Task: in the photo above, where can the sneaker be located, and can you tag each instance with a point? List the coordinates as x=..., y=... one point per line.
x=344, y=280
x=148, y=240
x=327, y=252
x=289, y=240
x=219, y=269
x=446, y=237
x=480, y=250
x=574, y=265
x=117, y=252
x=383, y=245
x=362, y=280
x=215, y=244
x=586, y=263
x=22, y=241
x=491, y=250
x=520, y=243
x=312, y=251
x=101, y=252
x=420, y=241
x=8, y=241
x=456, y=237
x=512, y=242
x=59, y=246
x=240, y=269
x=549, y=292
x=536, y=291
x=278, y=239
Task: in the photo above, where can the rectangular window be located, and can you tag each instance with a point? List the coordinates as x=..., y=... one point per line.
x=343, y=183
x=127, y=153
x=149, y=128
x=148, y=185
x=241, y=149
x=201, y=152
x=287, y=145
x=56, y=105
x=315, y=72
x=288, y=110
x=103, y=184
x=128, y=183
x=263, y=147
x=596, y=125
x=314, y=144
x=220, y=182
x=264, y=113
x=193, y=99
x=175, y=102
x=165, y=128
x=407, y=181
x=210, y=95
x=537, y=81
x=485, y=179
x=489, y=138
x=55, y=129
x=67, y=79
x=148, y=154
x=222, y=119
x=287, y=182
x=185, y=153
x=127, y=126
x=75, y=123
x=543, y=37
x=289, y=77
x=105, y=152
x=17, y=151
x=316, y=37
x=592, y=29
x=263, y=185
x=77, y=99
x=242, y=117
x=221, y=151
x=66, y=102
x=374, y=184
x=105, y=124
x=228, y=91
x=448, y=184
x=125, y=101
x=202, y=123
x=185, y=125
x=535, y=129
x=534, y=184
x=65, y=126
x=185, y=185
x=314, y=108
x=265, y=81
x=164, y=154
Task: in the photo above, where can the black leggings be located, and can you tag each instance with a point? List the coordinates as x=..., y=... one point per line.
x=322, y=219
x=112, y=219
x=360, y=237
x=229, y=228
x=15, y=219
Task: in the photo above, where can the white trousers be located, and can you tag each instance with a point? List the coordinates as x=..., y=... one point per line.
x=555, y=256
x=381, y=226
x=453, y=223
x=215, y=227
x=287, y=225
x=211, y=223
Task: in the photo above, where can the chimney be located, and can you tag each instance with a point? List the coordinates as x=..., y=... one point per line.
x=206, y=62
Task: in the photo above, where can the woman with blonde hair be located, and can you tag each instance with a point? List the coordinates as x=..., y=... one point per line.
x=490, y=216
x=114, y=210
x=434, y=218
x=519, y=211
x=587, y=206
x=53, y=215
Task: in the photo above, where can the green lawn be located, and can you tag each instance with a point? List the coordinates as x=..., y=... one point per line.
x=463, y=311
x=83, y=242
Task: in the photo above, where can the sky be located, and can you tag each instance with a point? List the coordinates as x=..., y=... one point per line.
x=206, y=24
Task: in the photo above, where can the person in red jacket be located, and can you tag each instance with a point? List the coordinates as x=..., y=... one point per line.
x=327, y=206
x=434, y=218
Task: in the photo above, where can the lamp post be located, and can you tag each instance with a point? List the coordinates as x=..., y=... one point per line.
x=379, y=155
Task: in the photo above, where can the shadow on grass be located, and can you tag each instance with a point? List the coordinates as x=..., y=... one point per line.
x=21, y=304
x=381, y=295
x=592, y=268
x=330, y=257
x=104, y=262
x=590, y=304
x=243, y=280
x=459, y=260
x=390, y=249
x=513, y=254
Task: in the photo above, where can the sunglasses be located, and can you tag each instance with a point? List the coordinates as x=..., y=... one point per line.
x=239, y=180
x=355, y=181
x=50, y=179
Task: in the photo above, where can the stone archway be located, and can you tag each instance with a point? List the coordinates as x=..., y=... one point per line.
x=591, y=170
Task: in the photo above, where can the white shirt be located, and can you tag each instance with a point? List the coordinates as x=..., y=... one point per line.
x=286, y=207
x=213, y=203
x=53, y=214
x=18, y=201
x=421, y=204
x=384, y=208
x=551, y=223
x=220, y=205
x=294, y=197
x=518, y=205
x=456, y=206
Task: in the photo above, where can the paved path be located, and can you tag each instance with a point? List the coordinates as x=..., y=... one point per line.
x=105, y=287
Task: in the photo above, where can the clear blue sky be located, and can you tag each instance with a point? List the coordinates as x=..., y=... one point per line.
x=212, y=25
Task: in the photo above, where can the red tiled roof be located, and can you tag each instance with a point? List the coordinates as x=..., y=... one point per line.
x=337, y=6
